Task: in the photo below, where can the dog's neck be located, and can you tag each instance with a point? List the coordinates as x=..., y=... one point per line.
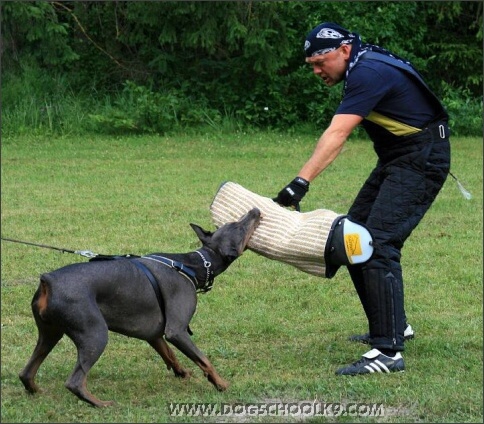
x=195, y=261
x=205, y=262
x=209, y=272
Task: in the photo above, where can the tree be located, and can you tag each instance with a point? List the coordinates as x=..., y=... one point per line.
x=244, y=58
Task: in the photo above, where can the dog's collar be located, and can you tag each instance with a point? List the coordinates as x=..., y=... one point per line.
x=188, y=272
x=208, y=284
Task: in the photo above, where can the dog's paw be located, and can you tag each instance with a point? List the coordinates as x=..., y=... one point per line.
x=105, y=403
x=182, y=373
x=222, y=385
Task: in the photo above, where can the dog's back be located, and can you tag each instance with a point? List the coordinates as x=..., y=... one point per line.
x=110, y=290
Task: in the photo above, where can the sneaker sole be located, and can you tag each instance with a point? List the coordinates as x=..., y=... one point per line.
x=371, y=373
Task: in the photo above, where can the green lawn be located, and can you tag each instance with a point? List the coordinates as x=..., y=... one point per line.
x=275, y=333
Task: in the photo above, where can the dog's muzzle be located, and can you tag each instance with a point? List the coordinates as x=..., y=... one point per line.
x=316, y=242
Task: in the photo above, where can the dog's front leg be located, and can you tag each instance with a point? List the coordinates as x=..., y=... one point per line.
x=181, y=339
x=178, y=313
x=168, y=356
x=212, y=375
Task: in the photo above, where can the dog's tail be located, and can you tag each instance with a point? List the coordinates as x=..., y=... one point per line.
x=41, y=298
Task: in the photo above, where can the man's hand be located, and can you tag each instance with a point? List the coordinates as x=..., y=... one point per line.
x=292, y=194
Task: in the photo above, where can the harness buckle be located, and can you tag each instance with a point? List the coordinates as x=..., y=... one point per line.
x=86, y=253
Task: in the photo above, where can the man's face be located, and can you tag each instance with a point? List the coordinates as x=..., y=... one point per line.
x=331, y=67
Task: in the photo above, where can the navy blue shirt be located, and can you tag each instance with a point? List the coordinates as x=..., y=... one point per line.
x=392, y=102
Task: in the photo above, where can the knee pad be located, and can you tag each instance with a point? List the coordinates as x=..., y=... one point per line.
x=316, y=242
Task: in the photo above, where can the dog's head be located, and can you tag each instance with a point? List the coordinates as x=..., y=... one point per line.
x=230, y=240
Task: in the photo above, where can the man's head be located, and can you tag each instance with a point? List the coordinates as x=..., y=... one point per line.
x=328, y=48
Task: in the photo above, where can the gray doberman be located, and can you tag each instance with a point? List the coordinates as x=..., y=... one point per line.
x=85, y=300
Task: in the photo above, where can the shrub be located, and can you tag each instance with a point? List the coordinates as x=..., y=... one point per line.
x=139, y=109
x=35, y=101
x=465, y=112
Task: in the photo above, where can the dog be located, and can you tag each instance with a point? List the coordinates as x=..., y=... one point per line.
x=151, y=298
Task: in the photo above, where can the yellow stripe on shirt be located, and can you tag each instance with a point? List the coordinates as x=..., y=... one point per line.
x=395, y=127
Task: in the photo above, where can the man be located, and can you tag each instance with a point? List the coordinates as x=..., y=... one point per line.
x=408, y=127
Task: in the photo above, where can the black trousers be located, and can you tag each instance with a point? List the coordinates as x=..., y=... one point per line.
x=391, y=203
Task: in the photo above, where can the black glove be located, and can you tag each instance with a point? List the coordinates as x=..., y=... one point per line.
x=292, y=194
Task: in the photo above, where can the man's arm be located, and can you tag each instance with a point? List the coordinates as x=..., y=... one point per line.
x=327, y=148
x=329, y=145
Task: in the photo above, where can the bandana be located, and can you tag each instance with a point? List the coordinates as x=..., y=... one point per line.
x=325, y=38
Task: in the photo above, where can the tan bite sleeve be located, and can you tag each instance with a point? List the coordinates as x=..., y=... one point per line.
x=298, y=239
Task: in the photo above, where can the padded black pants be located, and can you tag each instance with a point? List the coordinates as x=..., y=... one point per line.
x=391, y=203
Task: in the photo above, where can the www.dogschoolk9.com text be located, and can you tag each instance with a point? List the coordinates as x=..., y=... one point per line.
x=277, y=409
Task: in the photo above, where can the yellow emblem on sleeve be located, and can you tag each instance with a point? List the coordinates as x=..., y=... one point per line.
x=352, y=244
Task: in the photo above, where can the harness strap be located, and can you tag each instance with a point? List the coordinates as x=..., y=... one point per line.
x=188, y=272
x=410, y=70
x=155, y=286
x=152, y=279
x=99, y=257
x=174, y=264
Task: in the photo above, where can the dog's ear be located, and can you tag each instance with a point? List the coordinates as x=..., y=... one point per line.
x=202, y=234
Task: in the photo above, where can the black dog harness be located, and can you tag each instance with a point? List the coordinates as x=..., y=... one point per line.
x=181, y=268
x=184, y=270
x=178, y=266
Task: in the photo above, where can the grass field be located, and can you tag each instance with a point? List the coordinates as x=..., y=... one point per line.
x=275, y=333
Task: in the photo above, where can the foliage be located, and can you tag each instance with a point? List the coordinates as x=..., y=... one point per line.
x=140, y=109
x=465, y=112
x=33, y=30
x=39, y=103
x=454, y=47
x=241, y=59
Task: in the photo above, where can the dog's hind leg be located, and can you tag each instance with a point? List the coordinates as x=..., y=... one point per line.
x=49, y=336
x=90, y=339
x=168, y=356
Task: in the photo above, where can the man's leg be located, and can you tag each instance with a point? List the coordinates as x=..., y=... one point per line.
x=359, y=212
x=359, y=277
x=385, y=306
x=410, y=186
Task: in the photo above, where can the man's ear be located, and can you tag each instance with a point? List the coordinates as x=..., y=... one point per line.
x=346, y=49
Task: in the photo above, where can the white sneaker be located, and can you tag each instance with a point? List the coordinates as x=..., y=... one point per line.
x=374, y=361
x=408, y=334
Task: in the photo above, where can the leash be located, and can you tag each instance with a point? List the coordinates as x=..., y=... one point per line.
x=85, y=253
x=465, y=193
x=178, y=266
